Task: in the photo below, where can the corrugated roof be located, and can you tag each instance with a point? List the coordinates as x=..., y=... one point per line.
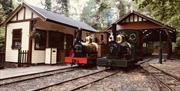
x=51, y=16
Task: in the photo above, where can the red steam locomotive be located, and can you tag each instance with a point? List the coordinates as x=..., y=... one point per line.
x=82, y=53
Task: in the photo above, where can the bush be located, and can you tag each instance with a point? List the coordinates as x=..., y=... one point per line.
x=2, y=39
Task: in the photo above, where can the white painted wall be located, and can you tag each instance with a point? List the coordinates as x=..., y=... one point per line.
x=21, y=14
x=14, y=18
x=12, y=54
x=28, y=13
x=131, y=18
x=35, y=15
x=51, y=56
x=38, y=56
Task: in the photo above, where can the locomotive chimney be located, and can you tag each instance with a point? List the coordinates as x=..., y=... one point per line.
x=114, y=31
x=78, y=35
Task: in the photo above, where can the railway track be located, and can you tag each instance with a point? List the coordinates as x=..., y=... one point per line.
x=79, y=82
x=166, y=82
x=47, y=81
x=26, y=77
x=145, y=60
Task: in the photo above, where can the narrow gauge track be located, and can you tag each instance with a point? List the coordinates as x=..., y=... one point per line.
x=82, y=81
x=79, y=82
x=145, y=60
x=46, y=81
x=165, y=81
x=26, y=77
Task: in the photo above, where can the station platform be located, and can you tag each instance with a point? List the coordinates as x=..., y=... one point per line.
x=171, y=67
x=14, y=72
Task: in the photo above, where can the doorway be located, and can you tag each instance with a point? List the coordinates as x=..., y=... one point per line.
x=56, y=40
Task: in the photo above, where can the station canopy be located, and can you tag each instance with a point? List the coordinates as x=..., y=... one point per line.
x=149, y=27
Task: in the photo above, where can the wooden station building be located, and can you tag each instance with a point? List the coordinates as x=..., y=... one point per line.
x=42, y=34
x=150, y=32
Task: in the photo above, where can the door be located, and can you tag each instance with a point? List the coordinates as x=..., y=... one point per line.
x=56, y=40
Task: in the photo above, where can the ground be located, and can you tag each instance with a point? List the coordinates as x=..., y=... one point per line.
x=133, y=79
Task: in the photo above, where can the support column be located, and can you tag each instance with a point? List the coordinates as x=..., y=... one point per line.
x=160, y=45
x=47, y=39
x=141, y=44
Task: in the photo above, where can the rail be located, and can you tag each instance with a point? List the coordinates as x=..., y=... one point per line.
x=158, y=74
x=43, y=88
x=21, y=78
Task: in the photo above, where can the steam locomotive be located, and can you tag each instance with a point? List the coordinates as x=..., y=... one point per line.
x=123, y=49
x=83, y=53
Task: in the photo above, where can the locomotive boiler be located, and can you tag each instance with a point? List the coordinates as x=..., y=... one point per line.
x=83, y=53
x=122, y=49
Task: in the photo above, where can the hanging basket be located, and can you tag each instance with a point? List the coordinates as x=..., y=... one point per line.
x=36, y=36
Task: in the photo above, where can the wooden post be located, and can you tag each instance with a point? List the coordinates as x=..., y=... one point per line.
x=19, y=57
x=160, y=45
x=47, y=39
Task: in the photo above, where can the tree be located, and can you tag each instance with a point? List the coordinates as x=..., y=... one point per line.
x=47, y=5
x=97, y=13
x=61, y=7
x=166, y=11
x=121, y=7
x=6, y=7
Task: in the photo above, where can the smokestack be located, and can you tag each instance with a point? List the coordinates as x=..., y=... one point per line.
x=114, y=31
x=79, y=35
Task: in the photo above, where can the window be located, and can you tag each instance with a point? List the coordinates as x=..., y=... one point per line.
x=16, y=38
x=40, y=40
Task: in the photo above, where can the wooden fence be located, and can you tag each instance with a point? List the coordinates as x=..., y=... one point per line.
x=23, y=58
x=2, y=59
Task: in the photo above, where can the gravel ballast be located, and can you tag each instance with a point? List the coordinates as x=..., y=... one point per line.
x=45, y=81
x=130, y=81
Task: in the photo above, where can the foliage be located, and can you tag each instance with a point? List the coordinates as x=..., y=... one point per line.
x=6, y=7
x=121, y=7
x=47, y=5
x=167, y=11
x=178, y=41
x=101, y=13
x=61, y=7
x=2, y=38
